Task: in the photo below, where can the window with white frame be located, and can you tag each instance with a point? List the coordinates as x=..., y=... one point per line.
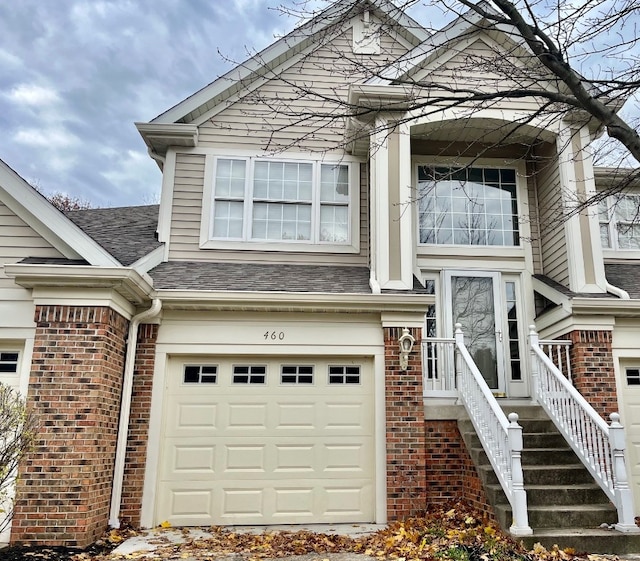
x=468, y=206
x=268, y=200
x=619, y=217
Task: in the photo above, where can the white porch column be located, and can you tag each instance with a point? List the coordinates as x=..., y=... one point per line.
x=584, y=253
x=391, y=206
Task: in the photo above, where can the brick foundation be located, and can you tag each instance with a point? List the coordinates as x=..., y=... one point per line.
x=139, y=425
x=592, y=369
x=451, y=474
x=406, y=445
x=64, y=489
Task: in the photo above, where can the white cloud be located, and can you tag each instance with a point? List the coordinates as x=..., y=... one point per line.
x=46, y=138
x=32, y=94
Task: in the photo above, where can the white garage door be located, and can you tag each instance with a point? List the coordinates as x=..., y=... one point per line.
x=267, y=442
x=631, y=422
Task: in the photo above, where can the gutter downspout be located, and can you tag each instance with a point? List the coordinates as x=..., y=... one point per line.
x=125, y=410
x=617, y=291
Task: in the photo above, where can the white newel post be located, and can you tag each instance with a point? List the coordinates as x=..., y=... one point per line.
x=624, y=496
x=459, y=337
x=520, y=524
x=535, y=375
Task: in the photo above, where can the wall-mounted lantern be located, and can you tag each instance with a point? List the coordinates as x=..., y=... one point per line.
x=405, y=342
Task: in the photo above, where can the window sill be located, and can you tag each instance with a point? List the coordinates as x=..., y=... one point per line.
x=621, y=254
x=467, y=251
x=280, y=247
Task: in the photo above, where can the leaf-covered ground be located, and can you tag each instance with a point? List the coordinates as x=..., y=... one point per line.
x=454, y=534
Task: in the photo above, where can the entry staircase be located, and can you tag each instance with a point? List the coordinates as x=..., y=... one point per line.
x=554, y=472
x=565, y=505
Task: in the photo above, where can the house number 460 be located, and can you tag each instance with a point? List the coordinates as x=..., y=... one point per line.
x=274, y=335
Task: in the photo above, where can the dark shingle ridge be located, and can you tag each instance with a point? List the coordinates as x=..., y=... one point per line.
x=567, y=292
x=127, y=233
x=261, y=277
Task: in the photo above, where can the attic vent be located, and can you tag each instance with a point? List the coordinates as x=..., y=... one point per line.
x=366, y=34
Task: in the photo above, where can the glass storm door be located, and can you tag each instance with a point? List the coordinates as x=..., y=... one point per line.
x=474, y=302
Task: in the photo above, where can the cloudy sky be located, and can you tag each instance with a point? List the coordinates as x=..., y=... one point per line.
x=76, y=74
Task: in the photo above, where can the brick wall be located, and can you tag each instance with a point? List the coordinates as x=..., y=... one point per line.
x=592, y=369
x=139, y=425
x=64, y=488
x=406, y=444
x=451, y=474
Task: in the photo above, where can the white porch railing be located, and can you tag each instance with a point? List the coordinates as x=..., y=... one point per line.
x=558, y=351
x=501, y=438
x=438, y=367
x=599, y=446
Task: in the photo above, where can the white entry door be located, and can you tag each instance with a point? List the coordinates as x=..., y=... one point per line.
x=474, y=301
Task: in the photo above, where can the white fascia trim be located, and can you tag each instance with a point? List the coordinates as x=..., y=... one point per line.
x=48, y=221
x=179, y=134
x=123, y=279
x=280, y=48
x=149, y=261
x=606, y=306
x=295, y=301
x=415, y=57
x=551, y=294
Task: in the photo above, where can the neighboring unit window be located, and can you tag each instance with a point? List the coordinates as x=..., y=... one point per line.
x=344, y=375
x=249, y=374
x=281, y=201
x=200, y=374
x=8, y=362
x=468, y=206
x=296, y=375
x=513, y=339
x=619, y=218
x=633, y=376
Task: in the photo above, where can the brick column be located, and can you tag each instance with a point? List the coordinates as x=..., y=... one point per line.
x=139, y=425
x=406, y=445
x=592, y=369
x=64, y=487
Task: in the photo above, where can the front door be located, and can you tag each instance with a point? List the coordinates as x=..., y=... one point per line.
x=474, y=301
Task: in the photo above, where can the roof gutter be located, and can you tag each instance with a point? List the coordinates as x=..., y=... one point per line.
x=125, y=410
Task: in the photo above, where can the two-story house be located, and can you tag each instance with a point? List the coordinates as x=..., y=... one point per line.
x=274, y=342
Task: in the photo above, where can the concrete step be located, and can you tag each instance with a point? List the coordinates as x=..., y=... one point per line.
x=585, y=540
x=541, y=495
x=568, y=474
x=532, y=456
x=563, y=516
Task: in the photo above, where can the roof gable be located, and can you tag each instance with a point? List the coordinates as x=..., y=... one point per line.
x=31, y=207
x=284, y=49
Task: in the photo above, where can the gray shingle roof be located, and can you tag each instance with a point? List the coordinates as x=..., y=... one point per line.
x=127, y=233
x=261, y=277
x=567, y=292
x=625, y=276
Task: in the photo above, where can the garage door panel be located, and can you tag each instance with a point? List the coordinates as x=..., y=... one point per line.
x=275, y=457
x=255, y=502
x=272, y=453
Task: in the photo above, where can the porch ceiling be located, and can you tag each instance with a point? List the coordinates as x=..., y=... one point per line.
x=484, y=130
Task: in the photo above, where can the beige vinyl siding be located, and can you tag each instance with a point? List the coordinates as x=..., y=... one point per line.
x=474, y=68
x=552, y=237
x=186, y=220
x=17, y=241
x=280, y=116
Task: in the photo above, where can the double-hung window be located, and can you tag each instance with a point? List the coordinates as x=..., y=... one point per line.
x=270, y=201
x=619, y=217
